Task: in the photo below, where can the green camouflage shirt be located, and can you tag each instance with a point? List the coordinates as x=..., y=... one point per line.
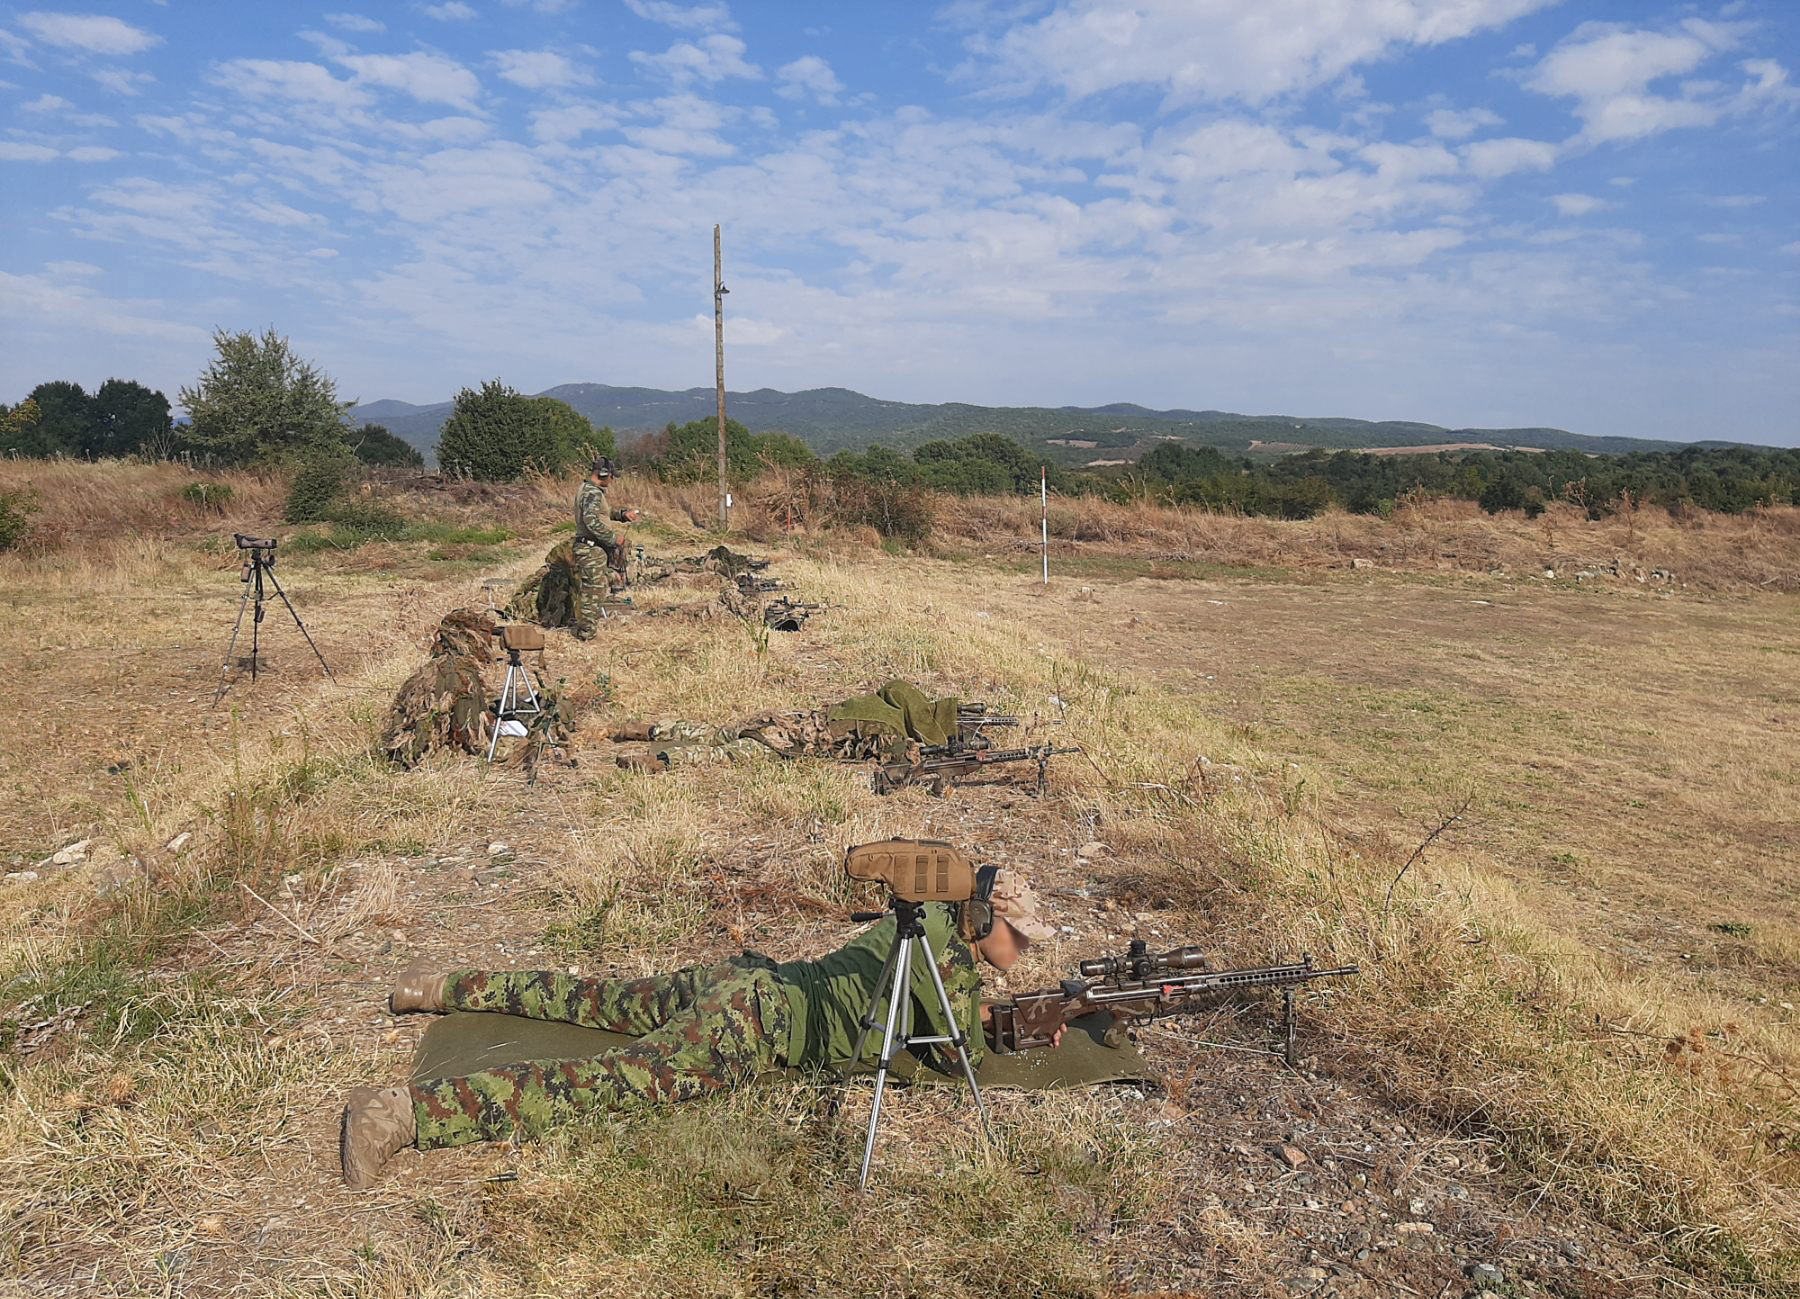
x=827, y=996
x=592, y=514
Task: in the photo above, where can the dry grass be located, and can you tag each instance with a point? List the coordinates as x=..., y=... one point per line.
x=175, y=1135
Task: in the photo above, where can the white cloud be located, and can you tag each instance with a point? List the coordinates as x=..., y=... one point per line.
x=1459, y=124
x=355, y=23
x=1734, y=200
x=543, y=6
x=710, y=59
x=122, y=81
x=1611, y=72
x=699, y=17
x=539, y=69
x=454, y=11
x=428, y=78
x=1491, y=159
x=286, y=80
x=94, y=33
x=14, y=151
x=46, y=104
x=1793, y=249
x=93, y=153
x=572, y=121
x=1577, y=205
x=808, y=76
x=1253, y=50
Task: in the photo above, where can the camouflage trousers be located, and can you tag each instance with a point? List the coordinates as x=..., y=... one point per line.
x=699, y=1030
x=592, y=589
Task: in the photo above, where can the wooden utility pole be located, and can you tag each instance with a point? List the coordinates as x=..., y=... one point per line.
x=719, y=292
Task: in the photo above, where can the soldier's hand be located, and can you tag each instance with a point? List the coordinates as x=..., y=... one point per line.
x=631, y=516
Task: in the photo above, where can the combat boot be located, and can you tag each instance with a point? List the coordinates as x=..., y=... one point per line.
x=378, y=1124
x=639, y=731
x=418, y=990
x=642, y=761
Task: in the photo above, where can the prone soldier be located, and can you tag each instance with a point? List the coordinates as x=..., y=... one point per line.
x=702, y=1029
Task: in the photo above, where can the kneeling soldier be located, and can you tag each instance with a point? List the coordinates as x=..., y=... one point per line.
x=699, y=1030
x=599, y=552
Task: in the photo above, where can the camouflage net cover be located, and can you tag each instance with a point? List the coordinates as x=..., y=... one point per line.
x=547, y=597
x=443, y=705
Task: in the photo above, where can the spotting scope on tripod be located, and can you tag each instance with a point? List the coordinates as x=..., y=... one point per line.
x=915, y=873
x=257, y=575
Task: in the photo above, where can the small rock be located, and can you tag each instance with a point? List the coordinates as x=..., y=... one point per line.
x=20, y=877
x=1414, y=1228
x=1092, y=848
x=75, y=852
x=1362, y=563
x=498, y=849
x=1550, y=573
x=179, y=842
x=1485, y=1275
x=1292, y=1156
x=1572, y=1251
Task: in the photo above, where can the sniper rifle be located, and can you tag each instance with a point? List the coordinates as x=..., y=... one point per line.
x=1140, y=986
x=945, y=766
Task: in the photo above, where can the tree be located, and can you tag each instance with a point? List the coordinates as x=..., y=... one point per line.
x=375, y=445
x=497, y=435
x=19, y=428
x=127, y=418
x=258, y=402
x=65, y=418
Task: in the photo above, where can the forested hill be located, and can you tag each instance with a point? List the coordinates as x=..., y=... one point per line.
x=836, y=419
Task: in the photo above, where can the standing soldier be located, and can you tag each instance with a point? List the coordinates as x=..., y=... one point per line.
x=597, y=547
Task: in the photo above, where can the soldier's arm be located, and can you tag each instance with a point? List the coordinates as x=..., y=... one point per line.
x=624, y=516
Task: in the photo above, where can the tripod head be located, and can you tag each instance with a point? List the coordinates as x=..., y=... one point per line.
x=517, y=638
x=261, y=552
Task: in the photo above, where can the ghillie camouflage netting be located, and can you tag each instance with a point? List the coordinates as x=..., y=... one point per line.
x=547, y=597
x=445, y=703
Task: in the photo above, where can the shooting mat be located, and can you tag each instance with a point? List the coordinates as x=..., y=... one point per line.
x=463, y=1043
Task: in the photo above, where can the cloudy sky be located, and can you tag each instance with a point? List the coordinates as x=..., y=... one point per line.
x=1472, y=212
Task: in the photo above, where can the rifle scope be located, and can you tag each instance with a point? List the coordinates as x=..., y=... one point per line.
x=1139, y=963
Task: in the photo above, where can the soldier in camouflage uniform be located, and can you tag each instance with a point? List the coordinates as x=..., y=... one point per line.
x=600, y=553
x=806, y=734
x=703, y=1029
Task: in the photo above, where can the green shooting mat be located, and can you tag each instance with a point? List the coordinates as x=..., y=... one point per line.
x=463, y=1043
x=900, y=708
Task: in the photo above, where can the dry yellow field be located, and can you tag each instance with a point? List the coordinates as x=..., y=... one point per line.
x=1571, y=1054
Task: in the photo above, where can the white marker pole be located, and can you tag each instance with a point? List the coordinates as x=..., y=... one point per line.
x=1044, y=497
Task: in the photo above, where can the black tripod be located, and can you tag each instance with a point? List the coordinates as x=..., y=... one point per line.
x=910, y=944
x=259, y=564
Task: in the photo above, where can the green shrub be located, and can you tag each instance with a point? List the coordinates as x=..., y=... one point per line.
x=16, y=509
x=208, y=496
x=374, y=520
x=319, y=483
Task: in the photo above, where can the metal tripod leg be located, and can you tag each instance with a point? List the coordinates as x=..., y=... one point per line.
x=296, y=617
x=868, y=1019
x=958, y=1038
x=901, y=980
x=899, y=967
x=231, y=649
x=500, y=713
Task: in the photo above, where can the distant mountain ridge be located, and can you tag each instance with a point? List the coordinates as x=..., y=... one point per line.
x=838, y=419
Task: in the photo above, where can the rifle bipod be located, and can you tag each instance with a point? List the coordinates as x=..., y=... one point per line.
x=910, y=945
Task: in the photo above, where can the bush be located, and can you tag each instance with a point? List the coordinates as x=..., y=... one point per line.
x=208, y=496
x=318, y=484
x=897, y=511
x=498, y=435
x=16, y=509
x=372, y=519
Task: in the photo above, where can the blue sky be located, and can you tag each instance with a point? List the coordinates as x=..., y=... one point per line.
x=1472, y=212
